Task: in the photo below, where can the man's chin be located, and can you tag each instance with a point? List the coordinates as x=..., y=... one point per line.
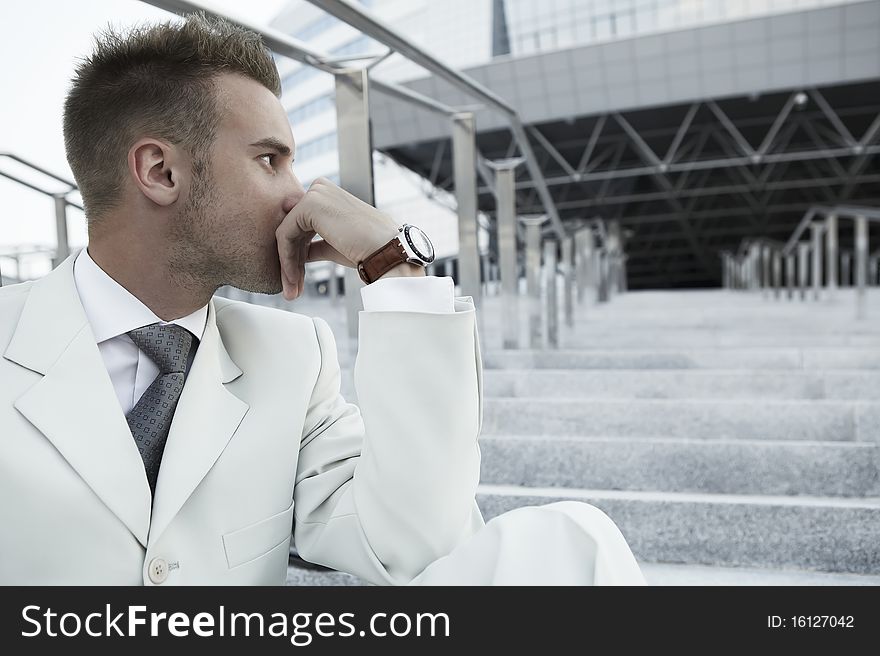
x=265, y=287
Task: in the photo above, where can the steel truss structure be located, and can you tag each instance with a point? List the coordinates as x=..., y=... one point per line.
x=687, y=181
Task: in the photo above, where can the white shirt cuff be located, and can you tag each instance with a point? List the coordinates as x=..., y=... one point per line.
x=416, y=294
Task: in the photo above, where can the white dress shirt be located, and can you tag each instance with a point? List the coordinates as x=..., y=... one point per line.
x=113, y=311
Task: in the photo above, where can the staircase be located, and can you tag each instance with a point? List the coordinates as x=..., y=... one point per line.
x=734, y=439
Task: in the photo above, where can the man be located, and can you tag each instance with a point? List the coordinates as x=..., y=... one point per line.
x=154, y=434
x=183, y=155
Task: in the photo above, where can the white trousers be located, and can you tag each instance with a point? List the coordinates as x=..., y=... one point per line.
x=562, y=543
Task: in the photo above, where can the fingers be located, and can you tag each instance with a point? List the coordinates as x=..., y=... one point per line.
x=286, y=257
x=321, y=250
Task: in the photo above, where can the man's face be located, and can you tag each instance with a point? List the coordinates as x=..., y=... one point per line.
x=225, y=231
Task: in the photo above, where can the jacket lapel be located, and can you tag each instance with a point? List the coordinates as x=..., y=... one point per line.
x=206, y=418
x=74, y=404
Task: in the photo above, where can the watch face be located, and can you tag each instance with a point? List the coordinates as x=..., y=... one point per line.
x=420, y=243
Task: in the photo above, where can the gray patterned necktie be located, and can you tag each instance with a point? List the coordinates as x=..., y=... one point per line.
x=150, y=419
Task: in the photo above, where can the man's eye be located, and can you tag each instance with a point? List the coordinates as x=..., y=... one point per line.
x=270, y=156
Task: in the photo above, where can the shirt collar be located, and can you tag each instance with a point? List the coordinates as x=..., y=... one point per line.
x=112, y=310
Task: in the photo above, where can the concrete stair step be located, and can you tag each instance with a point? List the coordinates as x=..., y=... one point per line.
x=701, y=419
x=679, y=465
x=680, y=384
x=656, y=574
x=776, y=358
x=812, y=533
x=671, y=574
x=712, y=339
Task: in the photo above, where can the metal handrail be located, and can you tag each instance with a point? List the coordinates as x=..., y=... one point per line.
x=840, y=211
x=62, y=248
x=750, y=268
x=366, y=24
x=40, y=169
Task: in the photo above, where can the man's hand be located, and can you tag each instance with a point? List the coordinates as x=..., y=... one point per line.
x=350, y=229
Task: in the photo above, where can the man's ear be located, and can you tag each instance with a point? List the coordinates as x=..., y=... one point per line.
x=158, y=170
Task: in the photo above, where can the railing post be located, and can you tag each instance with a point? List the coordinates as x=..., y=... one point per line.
x=568, y=272
x=62, y=249
x=872, y=271
x=533, y=272
x=777, y=274
x=803, y=264
x=586, y=267
x=333, y=290
x=816, y=228
x=615, y=261
x=507, y=260
x=355, y=165
x=845, y=269
x=765, y=270
x=551, y=307
x=789, y=275
x=465, y=172
x=831, y=253
x=754, y=267
x=861, y=264
x=602, y=275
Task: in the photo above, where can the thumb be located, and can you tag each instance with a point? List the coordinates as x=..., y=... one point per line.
x=321, y=250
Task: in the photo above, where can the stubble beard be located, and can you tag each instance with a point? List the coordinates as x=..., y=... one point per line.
x=203, y=256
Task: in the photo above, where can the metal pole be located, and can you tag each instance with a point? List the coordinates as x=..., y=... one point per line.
x=355, y=165
x=615, y=247
x=789, y=275
x=765, y=270
x=586, y=263
x=568, y=272
x=816, y=228
x=551, y=309
x=872, y=271
x=845, y=269
x=368, y=25
x=754, y=266
x=831, y=253
x=803, y=263
x=861, y=264
x=465, y=171
x=333, y=289
x=602, y=276
x=533, y=280
x=506, y=225
x=777, y=274
x=62, y=249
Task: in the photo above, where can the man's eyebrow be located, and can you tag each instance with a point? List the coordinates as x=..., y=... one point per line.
x=274, y=144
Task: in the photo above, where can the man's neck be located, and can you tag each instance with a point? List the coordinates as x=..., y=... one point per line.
x=148, y=277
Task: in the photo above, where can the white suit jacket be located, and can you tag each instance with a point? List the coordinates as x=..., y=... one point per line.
x=261, y=445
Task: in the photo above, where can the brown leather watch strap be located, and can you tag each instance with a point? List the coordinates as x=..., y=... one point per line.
x=382, y=260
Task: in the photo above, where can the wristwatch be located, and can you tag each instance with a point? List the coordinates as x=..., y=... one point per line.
x=411, y=244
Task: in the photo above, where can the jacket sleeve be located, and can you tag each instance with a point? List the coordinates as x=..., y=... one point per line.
x=385, y=489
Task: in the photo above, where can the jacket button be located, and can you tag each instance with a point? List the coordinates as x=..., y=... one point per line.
x=158, y=570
